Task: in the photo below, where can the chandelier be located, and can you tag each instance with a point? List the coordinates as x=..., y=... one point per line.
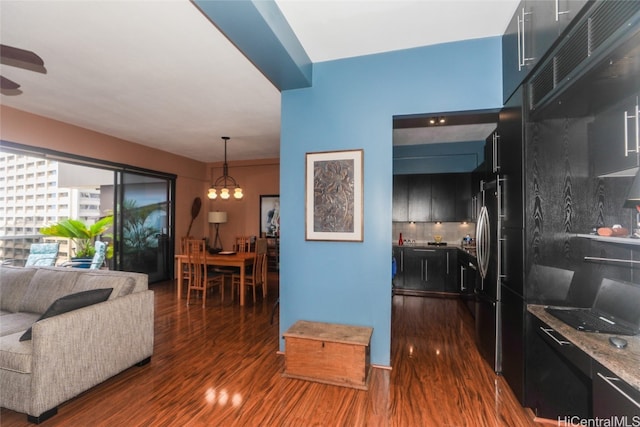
x=225, y=181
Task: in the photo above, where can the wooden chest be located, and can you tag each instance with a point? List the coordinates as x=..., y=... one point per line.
x=328, y=353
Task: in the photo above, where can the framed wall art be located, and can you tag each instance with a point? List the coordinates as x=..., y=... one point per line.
x=270, y=215
x=334, y=196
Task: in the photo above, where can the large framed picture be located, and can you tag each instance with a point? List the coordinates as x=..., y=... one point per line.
x=334, y=196
x=270, y=215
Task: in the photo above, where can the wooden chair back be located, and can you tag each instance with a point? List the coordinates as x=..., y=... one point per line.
x=200, y=279
x=257, y=276
x=196, y=265
x=244, y=244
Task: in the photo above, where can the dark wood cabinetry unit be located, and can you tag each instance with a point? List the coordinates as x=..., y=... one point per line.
x=570, y=73
x=400, y=198
x=425, y=269
x=558, y=379
x=432, y=197
x=612, y=397
x=443, y=197
x=420, y=196
x=615, y=139
x=532, y=31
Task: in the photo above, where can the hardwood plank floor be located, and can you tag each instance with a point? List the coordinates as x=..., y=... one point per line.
x=218, y=366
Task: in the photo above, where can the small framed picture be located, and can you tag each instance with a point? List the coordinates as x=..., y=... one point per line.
x=334, y=196
x=270, y=215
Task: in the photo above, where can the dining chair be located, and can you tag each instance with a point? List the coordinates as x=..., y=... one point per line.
x=201, y=278
x=244, y=243
x=255, y=276
x=185, y=265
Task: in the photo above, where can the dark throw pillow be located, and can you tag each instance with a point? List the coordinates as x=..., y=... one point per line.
x=71, y=302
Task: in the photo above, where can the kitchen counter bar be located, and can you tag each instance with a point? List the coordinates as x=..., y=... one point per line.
x=622, y=362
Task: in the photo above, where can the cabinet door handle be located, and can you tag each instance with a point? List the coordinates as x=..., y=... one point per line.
x=522, y=56
x=447, y=262
x=548, y=332
x=462, y=273
x=558, y=12
x=609, y=380
x=627, y=116
x=495, y=141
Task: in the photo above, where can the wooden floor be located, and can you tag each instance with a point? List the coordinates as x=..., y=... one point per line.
x=218, y=366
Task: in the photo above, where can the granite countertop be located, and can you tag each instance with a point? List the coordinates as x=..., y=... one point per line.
x=622, y=362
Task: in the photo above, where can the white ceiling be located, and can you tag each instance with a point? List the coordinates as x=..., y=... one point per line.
x=158, y=73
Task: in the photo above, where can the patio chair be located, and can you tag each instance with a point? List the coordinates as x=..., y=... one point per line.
x=40, y=255
x=96, y=262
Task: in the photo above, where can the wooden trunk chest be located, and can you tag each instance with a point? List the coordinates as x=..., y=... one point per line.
x=328, y=353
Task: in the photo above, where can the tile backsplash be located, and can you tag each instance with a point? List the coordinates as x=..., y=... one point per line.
x=423, y=232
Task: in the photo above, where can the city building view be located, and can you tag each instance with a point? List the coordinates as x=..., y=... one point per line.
x=36, y=192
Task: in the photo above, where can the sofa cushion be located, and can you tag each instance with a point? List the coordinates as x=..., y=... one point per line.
x=16, y=322
x=71, y=302
x=14, y=282
x=46, y=286
x=122, y=285
x=14, y=354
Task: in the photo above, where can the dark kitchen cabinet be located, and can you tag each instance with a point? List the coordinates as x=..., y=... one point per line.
x=548, y=20
x=532, y=31
x=512, y=318
x=614, y=138
x=432, y=197
x=558, y=380
x=443, y=197
x=566, y=11
x=517, y=55
x=613, y=397
x=420, y=194
x=425, y=269
x=400, y=212
x=464, y=196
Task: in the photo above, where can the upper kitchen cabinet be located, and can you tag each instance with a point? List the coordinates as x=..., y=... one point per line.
x=533, y=29
x=517, y=56
x=432, y=197
x=400, y=212
x=614, y=139
x=420, y=198
x=411, y=198
x=443, y=197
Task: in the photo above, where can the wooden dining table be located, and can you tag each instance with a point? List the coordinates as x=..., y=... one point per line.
x=240, y=260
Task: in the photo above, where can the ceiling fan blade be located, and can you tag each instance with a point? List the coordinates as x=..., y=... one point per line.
x=21, y=58
x=9, y=87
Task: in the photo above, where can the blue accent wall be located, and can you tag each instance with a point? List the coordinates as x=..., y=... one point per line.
x=350, y=105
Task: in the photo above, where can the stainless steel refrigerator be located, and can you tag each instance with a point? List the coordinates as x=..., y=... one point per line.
x=488, y=290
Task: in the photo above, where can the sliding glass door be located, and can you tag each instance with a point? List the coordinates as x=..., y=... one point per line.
x=39, y=187
x=144, y=225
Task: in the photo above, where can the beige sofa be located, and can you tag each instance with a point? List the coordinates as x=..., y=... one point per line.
x=73, y=351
